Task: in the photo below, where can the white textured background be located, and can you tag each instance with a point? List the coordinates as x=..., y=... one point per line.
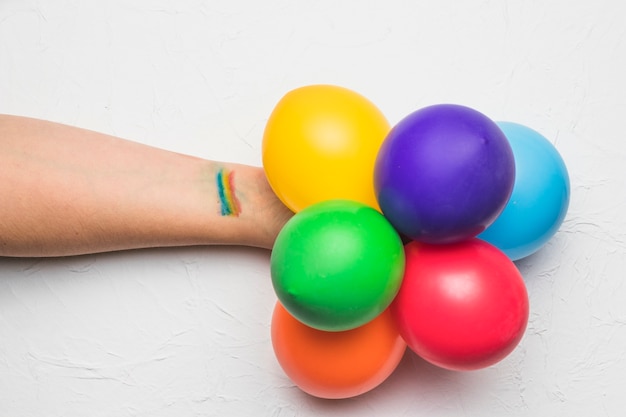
x=185, y=332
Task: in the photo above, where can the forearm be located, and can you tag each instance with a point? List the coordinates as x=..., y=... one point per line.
x=68, y=191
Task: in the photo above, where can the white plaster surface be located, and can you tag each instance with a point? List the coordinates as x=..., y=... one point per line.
x=185, y=332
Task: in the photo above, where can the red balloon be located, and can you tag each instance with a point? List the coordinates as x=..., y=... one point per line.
x=461, y=306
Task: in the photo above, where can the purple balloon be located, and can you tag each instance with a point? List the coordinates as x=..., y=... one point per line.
x=444, y=173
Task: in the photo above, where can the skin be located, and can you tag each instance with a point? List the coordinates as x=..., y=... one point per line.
x=69, y=191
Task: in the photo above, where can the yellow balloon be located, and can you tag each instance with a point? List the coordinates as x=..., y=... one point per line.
x=320, y=143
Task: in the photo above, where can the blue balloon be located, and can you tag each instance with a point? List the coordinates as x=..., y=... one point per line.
x=540, y=197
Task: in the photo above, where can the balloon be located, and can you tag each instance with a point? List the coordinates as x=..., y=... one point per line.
x=461, y=306
x=540, y=195
x=444, y=173
x=320, y=143
x=336, y=365
x=337, y=264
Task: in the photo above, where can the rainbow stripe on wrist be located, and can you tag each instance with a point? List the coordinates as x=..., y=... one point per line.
x=229, y=204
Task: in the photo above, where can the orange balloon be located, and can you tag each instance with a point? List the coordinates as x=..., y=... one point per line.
x=336, y=365
x=320, y=143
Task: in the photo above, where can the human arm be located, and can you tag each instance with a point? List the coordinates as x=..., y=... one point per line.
x=69, y=191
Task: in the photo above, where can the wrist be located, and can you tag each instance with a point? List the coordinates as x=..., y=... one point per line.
x=245, y=209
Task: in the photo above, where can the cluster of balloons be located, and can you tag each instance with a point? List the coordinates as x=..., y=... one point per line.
x=402, y=236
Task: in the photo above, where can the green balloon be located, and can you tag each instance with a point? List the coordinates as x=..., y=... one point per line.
x=336, y=265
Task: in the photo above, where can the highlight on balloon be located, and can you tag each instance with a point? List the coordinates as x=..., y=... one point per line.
x=403, y=236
